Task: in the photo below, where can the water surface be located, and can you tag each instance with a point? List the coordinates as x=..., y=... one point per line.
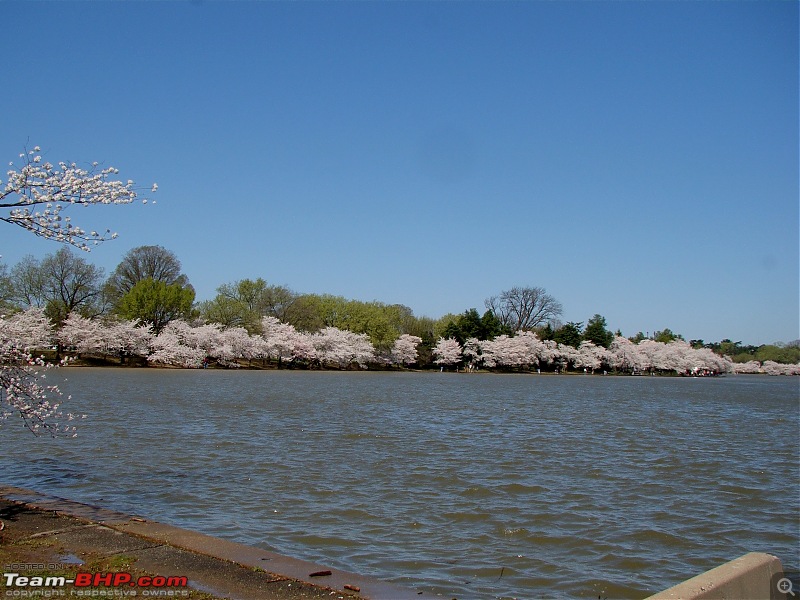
x=475, y=486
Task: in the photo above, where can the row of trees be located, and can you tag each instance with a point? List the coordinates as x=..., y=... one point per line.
x=148, y=287
x=526, y=350
x=182, y=344
x=185, y=345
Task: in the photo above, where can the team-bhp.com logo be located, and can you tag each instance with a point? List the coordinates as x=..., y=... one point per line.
x=94, y=585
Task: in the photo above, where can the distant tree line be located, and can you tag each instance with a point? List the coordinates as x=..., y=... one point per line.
x=149, y=288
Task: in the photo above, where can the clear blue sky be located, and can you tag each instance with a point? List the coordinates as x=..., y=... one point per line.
x=636, y=159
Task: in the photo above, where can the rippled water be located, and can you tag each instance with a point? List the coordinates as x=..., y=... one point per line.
x=475, y=486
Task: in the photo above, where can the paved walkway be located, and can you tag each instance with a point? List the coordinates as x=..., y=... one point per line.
x=43, y=535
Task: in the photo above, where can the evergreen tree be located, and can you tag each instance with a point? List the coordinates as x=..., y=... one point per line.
x=597, y=333
x=471, y=325
x=569, y=334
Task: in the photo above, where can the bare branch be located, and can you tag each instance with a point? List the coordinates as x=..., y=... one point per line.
x=522, y=309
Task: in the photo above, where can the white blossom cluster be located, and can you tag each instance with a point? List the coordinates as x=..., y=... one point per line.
x=768, y=367
x=526, y=350
x=38, y=192
x=23, y=388
x=183, y=345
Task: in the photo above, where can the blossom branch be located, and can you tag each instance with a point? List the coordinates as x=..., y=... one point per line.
x=38, y=192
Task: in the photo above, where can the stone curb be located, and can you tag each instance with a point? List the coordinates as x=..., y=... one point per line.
x=751, y=576
x=168, y=537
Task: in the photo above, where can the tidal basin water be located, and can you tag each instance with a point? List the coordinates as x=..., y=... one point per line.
x=468, y=485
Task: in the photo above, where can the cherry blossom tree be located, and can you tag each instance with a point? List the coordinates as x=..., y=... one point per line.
x=23, y=392
x=240, y=345
x=447, y=351
x=768, y=367
x=207, y=337
x=228, y=345
x=128, y=338
x=92, y=336
x=404, y=350
x=566, y=356
x=473, y=352
x=711, y=361
x=342, y=348
x=527, y=349
x=29, y=329
x=773, y=368
x=174, y=346
x=83, y=334
x=182, y=345
x=625, y=355
x=588, y=356
x=677, y=356
x=522, y=350
x=36, y=194
x=751, y=367
x=506, y=351
x=284, y=343
x=23, y=388
x=548, y=351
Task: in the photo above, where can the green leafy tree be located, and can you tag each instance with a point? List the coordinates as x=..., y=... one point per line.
x=471, y=325
x=570, y=334
x=728, y=348
x=144, y=262
x=491, y=326
x=546, y=333
x=666, y=336
x=467, y=325
x=787, y=355
x=245, y=302
x=597, y=333
x=383, y=323
x=442, y=324
x=156, y=303
x=222, y=310
x=375, y=319
x=307, y=313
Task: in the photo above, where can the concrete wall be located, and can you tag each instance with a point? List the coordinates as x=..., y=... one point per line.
x=752, y=576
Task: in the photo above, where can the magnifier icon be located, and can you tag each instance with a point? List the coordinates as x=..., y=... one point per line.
x=785, y=586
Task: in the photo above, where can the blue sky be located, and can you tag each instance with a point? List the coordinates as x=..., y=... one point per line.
x=637, y=160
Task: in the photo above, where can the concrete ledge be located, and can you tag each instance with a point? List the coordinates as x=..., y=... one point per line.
x=752, y=576
x=111, y=532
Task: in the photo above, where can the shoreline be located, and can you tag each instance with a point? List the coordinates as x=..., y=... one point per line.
x=90, y=361
x=63, y=548
x=43, y=535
